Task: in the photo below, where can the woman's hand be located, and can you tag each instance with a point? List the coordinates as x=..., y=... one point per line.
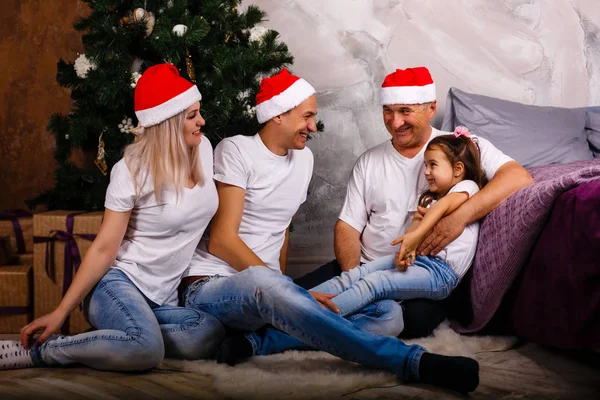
x=47, y=324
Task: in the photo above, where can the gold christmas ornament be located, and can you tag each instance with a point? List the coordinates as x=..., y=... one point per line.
x=139, y=14
x=125, y=21
x=100, y=160
x=190, y=66
x=228, y=36
x=137, y=131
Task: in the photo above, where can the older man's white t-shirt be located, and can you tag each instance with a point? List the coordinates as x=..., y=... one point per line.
x=161, y=235
x=384, y=189
x=275, y=187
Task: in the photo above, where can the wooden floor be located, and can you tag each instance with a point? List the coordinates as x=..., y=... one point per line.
x=527, y=372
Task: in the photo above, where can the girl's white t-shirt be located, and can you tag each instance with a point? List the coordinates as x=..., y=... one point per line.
x=275, y=187
x=459, y=254
x=161, y=236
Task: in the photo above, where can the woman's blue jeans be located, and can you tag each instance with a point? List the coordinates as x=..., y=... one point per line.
x=133, y=333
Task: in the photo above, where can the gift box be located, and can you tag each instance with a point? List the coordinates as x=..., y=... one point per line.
x=15, y=297
x=18, y=225
x=23, y=259
x=61, y=240
x=5, y=253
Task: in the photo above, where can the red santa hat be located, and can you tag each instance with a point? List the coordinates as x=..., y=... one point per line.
x=280, y=93
x=161, y=93
x=408, y=86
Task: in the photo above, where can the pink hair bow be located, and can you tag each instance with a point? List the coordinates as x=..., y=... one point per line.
x=462, y=131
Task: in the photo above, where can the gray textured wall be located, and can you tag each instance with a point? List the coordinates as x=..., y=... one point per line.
x=544, y=52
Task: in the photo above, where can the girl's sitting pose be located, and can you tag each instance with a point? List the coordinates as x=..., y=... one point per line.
x=160, y=199
x=453, y=173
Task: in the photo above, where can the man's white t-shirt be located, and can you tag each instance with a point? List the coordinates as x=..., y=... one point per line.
x=161, y=236
x=385, y=186
x=460, y=252
x=275, y=187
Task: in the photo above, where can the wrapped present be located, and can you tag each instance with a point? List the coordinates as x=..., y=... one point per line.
x=15, y=297
x=61, y=239
x=23, y=259
x=18, y=225
x=5, y=254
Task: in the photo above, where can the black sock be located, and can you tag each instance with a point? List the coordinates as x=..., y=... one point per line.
x=456, y=373
x=235, y=348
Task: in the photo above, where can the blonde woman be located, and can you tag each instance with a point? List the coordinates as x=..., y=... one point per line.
x=160, y=199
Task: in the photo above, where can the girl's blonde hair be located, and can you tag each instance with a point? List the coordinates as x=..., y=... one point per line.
x=161, y=153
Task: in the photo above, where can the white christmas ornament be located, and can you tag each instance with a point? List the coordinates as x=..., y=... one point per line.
x=83, y=65
x=125, y=125
x=250, y=111
x=257, y=33
x=135, y=76
x=180, y=30
x=243, y=95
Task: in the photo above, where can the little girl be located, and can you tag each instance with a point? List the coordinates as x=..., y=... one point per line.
x=453, y=172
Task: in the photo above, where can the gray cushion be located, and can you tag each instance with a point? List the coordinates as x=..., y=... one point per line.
x=592, y=128
x=532, y=135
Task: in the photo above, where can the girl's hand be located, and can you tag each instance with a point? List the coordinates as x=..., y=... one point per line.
x=408, y=251
x=400, y=263
x=420, y=213
x=47, y=324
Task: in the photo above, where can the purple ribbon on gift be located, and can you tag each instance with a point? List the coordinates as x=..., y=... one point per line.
x=13, y=216
x=72, y=258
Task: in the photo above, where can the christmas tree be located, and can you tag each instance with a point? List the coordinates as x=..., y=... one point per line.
x=224, y=51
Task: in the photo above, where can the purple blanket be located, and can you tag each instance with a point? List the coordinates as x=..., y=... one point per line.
x=558, y=298
x=508, y=234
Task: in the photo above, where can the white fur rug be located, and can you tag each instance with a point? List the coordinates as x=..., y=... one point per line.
x=316, y=375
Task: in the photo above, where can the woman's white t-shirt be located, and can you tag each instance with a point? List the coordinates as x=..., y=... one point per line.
x=161, y=236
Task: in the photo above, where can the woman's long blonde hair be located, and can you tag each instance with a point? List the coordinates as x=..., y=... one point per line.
x=161, y=153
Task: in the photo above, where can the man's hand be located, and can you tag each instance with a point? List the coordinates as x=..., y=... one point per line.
x=324, y=300
x=444, y=232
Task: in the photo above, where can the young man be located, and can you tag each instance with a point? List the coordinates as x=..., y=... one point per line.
x=387, y=180
x=236, y=276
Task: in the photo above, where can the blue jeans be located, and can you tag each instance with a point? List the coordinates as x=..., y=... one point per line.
x=383, y=317
x=259, y=296
x=133, y=333
x=429, y=278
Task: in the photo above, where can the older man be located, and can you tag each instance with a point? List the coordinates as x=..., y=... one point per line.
x=388, y=178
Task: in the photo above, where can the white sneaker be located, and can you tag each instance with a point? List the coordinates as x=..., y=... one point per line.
x=13, y=355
